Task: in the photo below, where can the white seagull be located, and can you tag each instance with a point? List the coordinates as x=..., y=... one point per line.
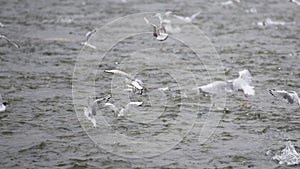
x=2, y=105
x=88, y=35
x=121, y=111
x=240, y=83
x=91, y=111
x=158, y=31
x=187, y=19
x=291, y=97
x=296, y=2
x=10, y=41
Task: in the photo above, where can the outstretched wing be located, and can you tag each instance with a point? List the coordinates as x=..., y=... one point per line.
x=245, y=75
x=119, y=72
x=283, y=94
x=195, y=15
x=90, y=34
x=180, y=17
x=111, y=106
x=89, y=116
x=10, y=41
x=132, y=104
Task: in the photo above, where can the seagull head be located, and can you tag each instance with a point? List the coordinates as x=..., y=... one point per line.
x=5, y=103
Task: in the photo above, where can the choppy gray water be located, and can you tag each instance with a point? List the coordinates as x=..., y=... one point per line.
x=40, y=128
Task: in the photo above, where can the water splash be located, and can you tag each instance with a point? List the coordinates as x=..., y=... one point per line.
x=288, y=155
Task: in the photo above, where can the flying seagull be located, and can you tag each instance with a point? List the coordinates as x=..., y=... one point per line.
x=158, y=31
x=135, y=84
x=88, y=35
x=91, y=111
x=291, y=97
x=10, y=41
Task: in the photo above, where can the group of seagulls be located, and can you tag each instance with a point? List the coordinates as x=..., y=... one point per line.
x=133, y=85
x=136, y=86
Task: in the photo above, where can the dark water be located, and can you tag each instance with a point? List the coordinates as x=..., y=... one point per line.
x=41, y=128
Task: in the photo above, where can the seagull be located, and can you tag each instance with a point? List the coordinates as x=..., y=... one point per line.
x=291, y=97
x=158, y=31
x=187, y=19
x=135, y=84
x=296, y=2
x=123, y=110
x=240, y=83
x=1, y=25
x=10, y=41
x=88, y=35
x=2, y=105
x=91, y=110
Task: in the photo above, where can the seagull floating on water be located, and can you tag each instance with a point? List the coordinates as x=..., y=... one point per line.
x=121, y=111
x=91, y=111
x=1, y=25
x=291, y=97
x=10, y=41
x=187, y=19
x=240, y=83
x=134, y=84
x=2, y=105
x=295, y=2
x=158, y=31
x=88, y=35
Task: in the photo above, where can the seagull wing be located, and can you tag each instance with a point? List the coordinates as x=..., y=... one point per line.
x=120, y=73
x=283, y=94
x=132, y=103
x=89, y=116
x=245, y=75
x=111, y=106
x=90, y=34
x=180, y=17
x=195, y=15
x=9, y=41
x=248, y=90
